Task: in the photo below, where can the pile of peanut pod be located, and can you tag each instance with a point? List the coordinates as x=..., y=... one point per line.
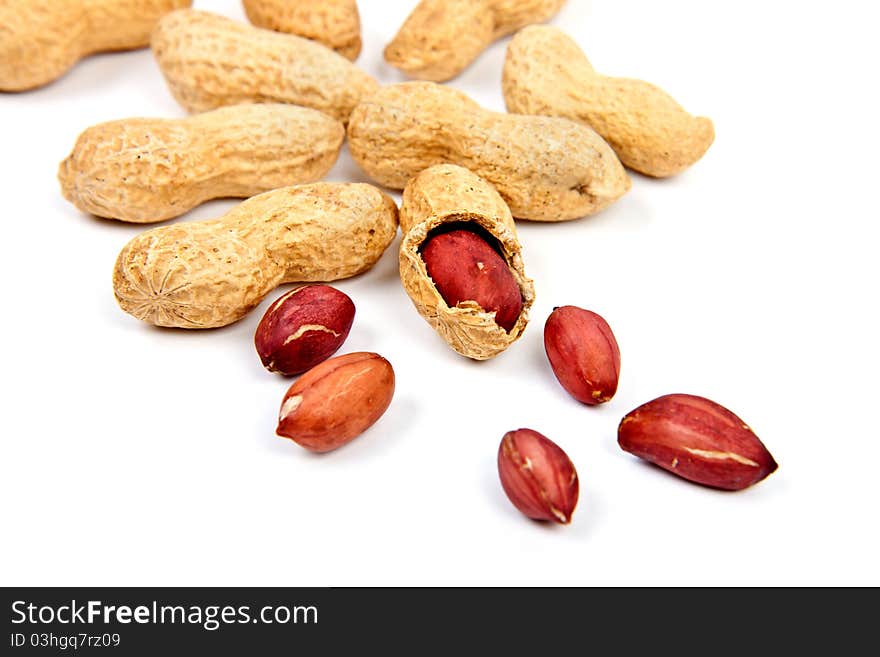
x=272, y=103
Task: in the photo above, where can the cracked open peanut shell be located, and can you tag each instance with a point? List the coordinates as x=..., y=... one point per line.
x=445, y=196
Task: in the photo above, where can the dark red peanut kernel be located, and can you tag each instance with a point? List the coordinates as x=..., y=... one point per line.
x=464, y=267
x=303, y=328
x=583, y=353
x=538, y=477
x=696, y=439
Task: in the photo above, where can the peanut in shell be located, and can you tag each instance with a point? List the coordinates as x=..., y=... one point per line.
x=448, y=194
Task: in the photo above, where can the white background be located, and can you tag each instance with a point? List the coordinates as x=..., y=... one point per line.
x=133, y=455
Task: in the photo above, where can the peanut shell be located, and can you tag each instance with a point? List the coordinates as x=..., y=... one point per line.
x=334, y=23
x=441, y=38
x=545, y=169
x=205, y=274
x=40, y=40
x=147, y=170
x=446, y=194
x=546, y=73
x=210, y=61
